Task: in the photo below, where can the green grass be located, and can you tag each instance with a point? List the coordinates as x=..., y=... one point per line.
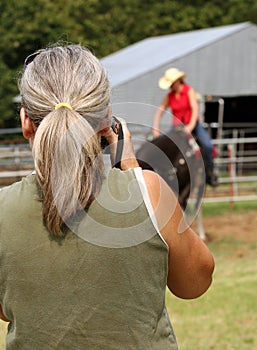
x=225, y=317
x=210, y=209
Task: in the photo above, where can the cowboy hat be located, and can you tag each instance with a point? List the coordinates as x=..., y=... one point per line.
x=170, y=76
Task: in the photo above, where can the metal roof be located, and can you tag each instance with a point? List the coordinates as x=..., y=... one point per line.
x=219, y=61
x=149, y=54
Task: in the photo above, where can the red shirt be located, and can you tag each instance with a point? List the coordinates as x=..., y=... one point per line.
x=180, y=105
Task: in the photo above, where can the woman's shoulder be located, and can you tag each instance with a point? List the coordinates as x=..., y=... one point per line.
x=186, y=87
x=120, y=182
x=120, y=176
x=16, y=192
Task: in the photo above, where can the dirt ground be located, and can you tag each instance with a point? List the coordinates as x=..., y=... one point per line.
x=240, y=226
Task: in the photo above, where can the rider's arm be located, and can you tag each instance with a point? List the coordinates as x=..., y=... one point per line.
x=194, y=107
x=190, y=262
x=158, y=115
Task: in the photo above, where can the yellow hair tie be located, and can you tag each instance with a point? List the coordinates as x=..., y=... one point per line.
x=63, y=104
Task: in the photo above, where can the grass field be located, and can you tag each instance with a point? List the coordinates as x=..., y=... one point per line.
x=224, y=318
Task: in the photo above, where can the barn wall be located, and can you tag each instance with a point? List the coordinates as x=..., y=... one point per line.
x=225, y=68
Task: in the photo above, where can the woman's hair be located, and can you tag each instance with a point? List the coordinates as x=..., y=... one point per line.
x=66, y=148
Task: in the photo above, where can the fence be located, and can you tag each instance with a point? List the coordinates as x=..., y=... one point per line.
x=236, y=165
x=15, y=161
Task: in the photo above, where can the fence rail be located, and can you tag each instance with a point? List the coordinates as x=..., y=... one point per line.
x=15, y=158
x=14, y=174
x=234, y=167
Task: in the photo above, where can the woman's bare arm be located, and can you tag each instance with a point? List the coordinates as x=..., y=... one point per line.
x=158, y=116
x=190, y=262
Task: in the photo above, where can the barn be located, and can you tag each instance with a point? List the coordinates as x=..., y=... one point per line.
x=220, y=63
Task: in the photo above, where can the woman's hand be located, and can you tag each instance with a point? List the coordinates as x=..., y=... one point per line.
x=128, y=158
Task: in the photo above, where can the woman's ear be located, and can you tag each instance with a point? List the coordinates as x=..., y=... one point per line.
x=27, y=125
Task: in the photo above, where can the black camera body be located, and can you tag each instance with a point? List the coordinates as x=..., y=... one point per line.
x=117, y=129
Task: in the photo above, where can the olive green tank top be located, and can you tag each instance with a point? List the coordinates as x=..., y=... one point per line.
x=102, y=287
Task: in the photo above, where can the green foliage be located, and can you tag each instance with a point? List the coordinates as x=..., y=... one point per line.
x=103, y=25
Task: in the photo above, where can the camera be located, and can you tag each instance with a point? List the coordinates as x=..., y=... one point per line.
x=117, y=129
x=115, y=125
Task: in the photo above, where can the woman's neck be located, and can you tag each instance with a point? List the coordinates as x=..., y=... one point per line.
x=177, y=88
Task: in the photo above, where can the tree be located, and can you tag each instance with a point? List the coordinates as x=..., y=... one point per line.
x=105, y=26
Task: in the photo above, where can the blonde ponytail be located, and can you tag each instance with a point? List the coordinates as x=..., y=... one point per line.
x=66, y=149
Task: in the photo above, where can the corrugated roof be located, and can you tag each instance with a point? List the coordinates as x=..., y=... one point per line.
x=148, y=54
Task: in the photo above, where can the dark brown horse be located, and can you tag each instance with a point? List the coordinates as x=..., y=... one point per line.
x=176, y=157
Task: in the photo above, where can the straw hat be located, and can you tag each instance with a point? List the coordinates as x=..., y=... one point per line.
x=171, y=75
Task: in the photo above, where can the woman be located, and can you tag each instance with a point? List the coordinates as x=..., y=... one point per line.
x=184, y=107
x=86, y=254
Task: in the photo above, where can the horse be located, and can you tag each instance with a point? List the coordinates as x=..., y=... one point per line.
x=176, y=157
